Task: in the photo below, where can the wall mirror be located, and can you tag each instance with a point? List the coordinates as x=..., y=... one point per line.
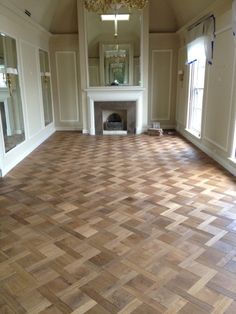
x=116, y=64
x=46, y=86
x=12, y=123
x=114, y=48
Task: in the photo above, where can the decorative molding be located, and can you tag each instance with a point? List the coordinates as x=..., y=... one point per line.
x=170, y=51
x=25, y=20
x=114, y=94
x=216, y=144
x=223, y=30
x=68, y=128
x=226, y=147
x=224, y=162
x=73, y=53
x=14, y=156
x=23, y=88
x=94, y=72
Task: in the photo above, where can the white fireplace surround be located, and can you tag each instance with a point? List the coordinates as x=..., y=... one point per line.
x=114, y=93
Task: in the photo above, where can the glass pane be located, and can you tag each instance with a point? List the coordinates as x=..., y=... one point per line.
x=196, y=91
x=10, y=98
x=46, y=86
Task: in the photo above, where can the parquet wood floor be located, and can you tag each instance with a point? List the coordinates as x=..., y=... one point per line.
x=133, y=224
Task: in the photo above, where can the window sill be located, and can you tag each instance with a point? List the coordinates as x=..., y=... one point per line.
x=195, y=134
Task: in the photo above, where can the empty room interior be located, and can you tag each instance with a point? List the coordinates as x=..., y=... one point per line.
x=118, y=156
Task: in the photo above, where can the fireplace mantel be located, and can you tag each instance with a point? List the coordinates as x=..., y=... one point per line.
x=115, y=93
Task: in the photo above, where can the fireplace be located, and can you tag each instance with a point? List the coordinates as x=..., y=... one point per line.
x=127, y=99
x=115, y=117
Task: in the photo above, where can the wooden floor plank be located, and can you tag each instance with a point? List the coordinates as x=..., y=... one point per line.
x=121, y=224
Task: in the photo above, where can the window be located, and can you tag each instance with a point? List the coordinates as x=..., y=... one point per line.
x=195, y=100
x=196, y=86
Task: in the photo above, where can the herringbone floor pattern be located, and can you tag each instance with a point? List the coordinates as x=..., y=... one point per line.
x=133, y=224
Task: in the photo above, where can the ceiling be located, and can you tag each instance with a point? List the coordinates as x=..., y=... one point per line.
x=60, y=16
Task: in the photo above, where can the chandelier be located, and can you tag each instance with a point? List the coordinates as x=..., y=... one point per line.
x=101, y=6
x=117, y=56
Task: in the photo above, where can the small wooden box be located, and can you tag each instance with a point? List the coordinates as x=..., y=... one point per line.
x=155, y=131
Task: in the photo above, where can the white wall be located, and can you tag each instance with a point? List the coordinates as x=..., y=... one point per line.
x=29, y=38
x=219, y=105
x=64, y=62
x=163, y=54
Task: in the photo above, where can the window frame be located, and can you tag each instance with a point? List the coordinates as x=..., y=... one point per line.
x=193, y=90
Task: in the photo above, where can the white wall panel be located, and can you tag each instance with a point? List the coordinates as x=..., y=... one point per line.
x=29, y=38
x=33, y=95
x=161, y=84
x=94, y=75
x=218, y=104
x=67, y=85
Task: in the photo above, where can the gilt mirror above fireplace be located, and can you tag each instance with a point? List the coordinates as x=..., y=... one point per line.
x=114, y=48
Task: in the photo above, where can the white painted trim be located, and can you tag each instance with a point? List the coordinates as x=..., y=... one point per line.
x=215, y=143
x=226, y=147
x=24, y=18
x=115, y=132
x=222, y=161
x=39, y=87
x=170, y=84
x=115, y=94
x=9, y=131
x=14, y=156
x=67, y=128
x=76, y=82
x=22, y=86
x=115, y=89
x=50, y=80
x=232, y=145
x=223, y=30
x=29, y=136
x=52, y=98
x=233, y=160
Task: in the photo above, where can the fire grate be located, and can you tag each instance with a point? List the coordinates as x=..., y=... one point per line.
x=114, y=122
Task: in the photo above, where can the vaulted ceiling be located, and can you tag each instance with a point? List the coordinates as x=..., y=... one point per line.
x=60, y=16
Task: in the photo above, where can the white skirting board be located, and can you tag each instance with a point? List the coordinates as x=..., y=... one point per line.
x=115, y=132
x=16, y=155
x=224, y=162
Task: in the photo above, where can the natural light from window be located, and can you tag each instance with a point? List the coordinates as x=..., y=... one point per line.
x=196, y=87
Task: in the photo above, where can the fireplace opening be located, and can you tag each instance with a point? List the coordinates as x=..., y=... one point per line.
x=114, y=122
x=115, y=117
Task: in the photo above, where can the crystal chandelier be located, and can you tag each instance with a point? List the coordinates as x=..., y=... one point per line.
x=101, y=6
x=116, y=56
